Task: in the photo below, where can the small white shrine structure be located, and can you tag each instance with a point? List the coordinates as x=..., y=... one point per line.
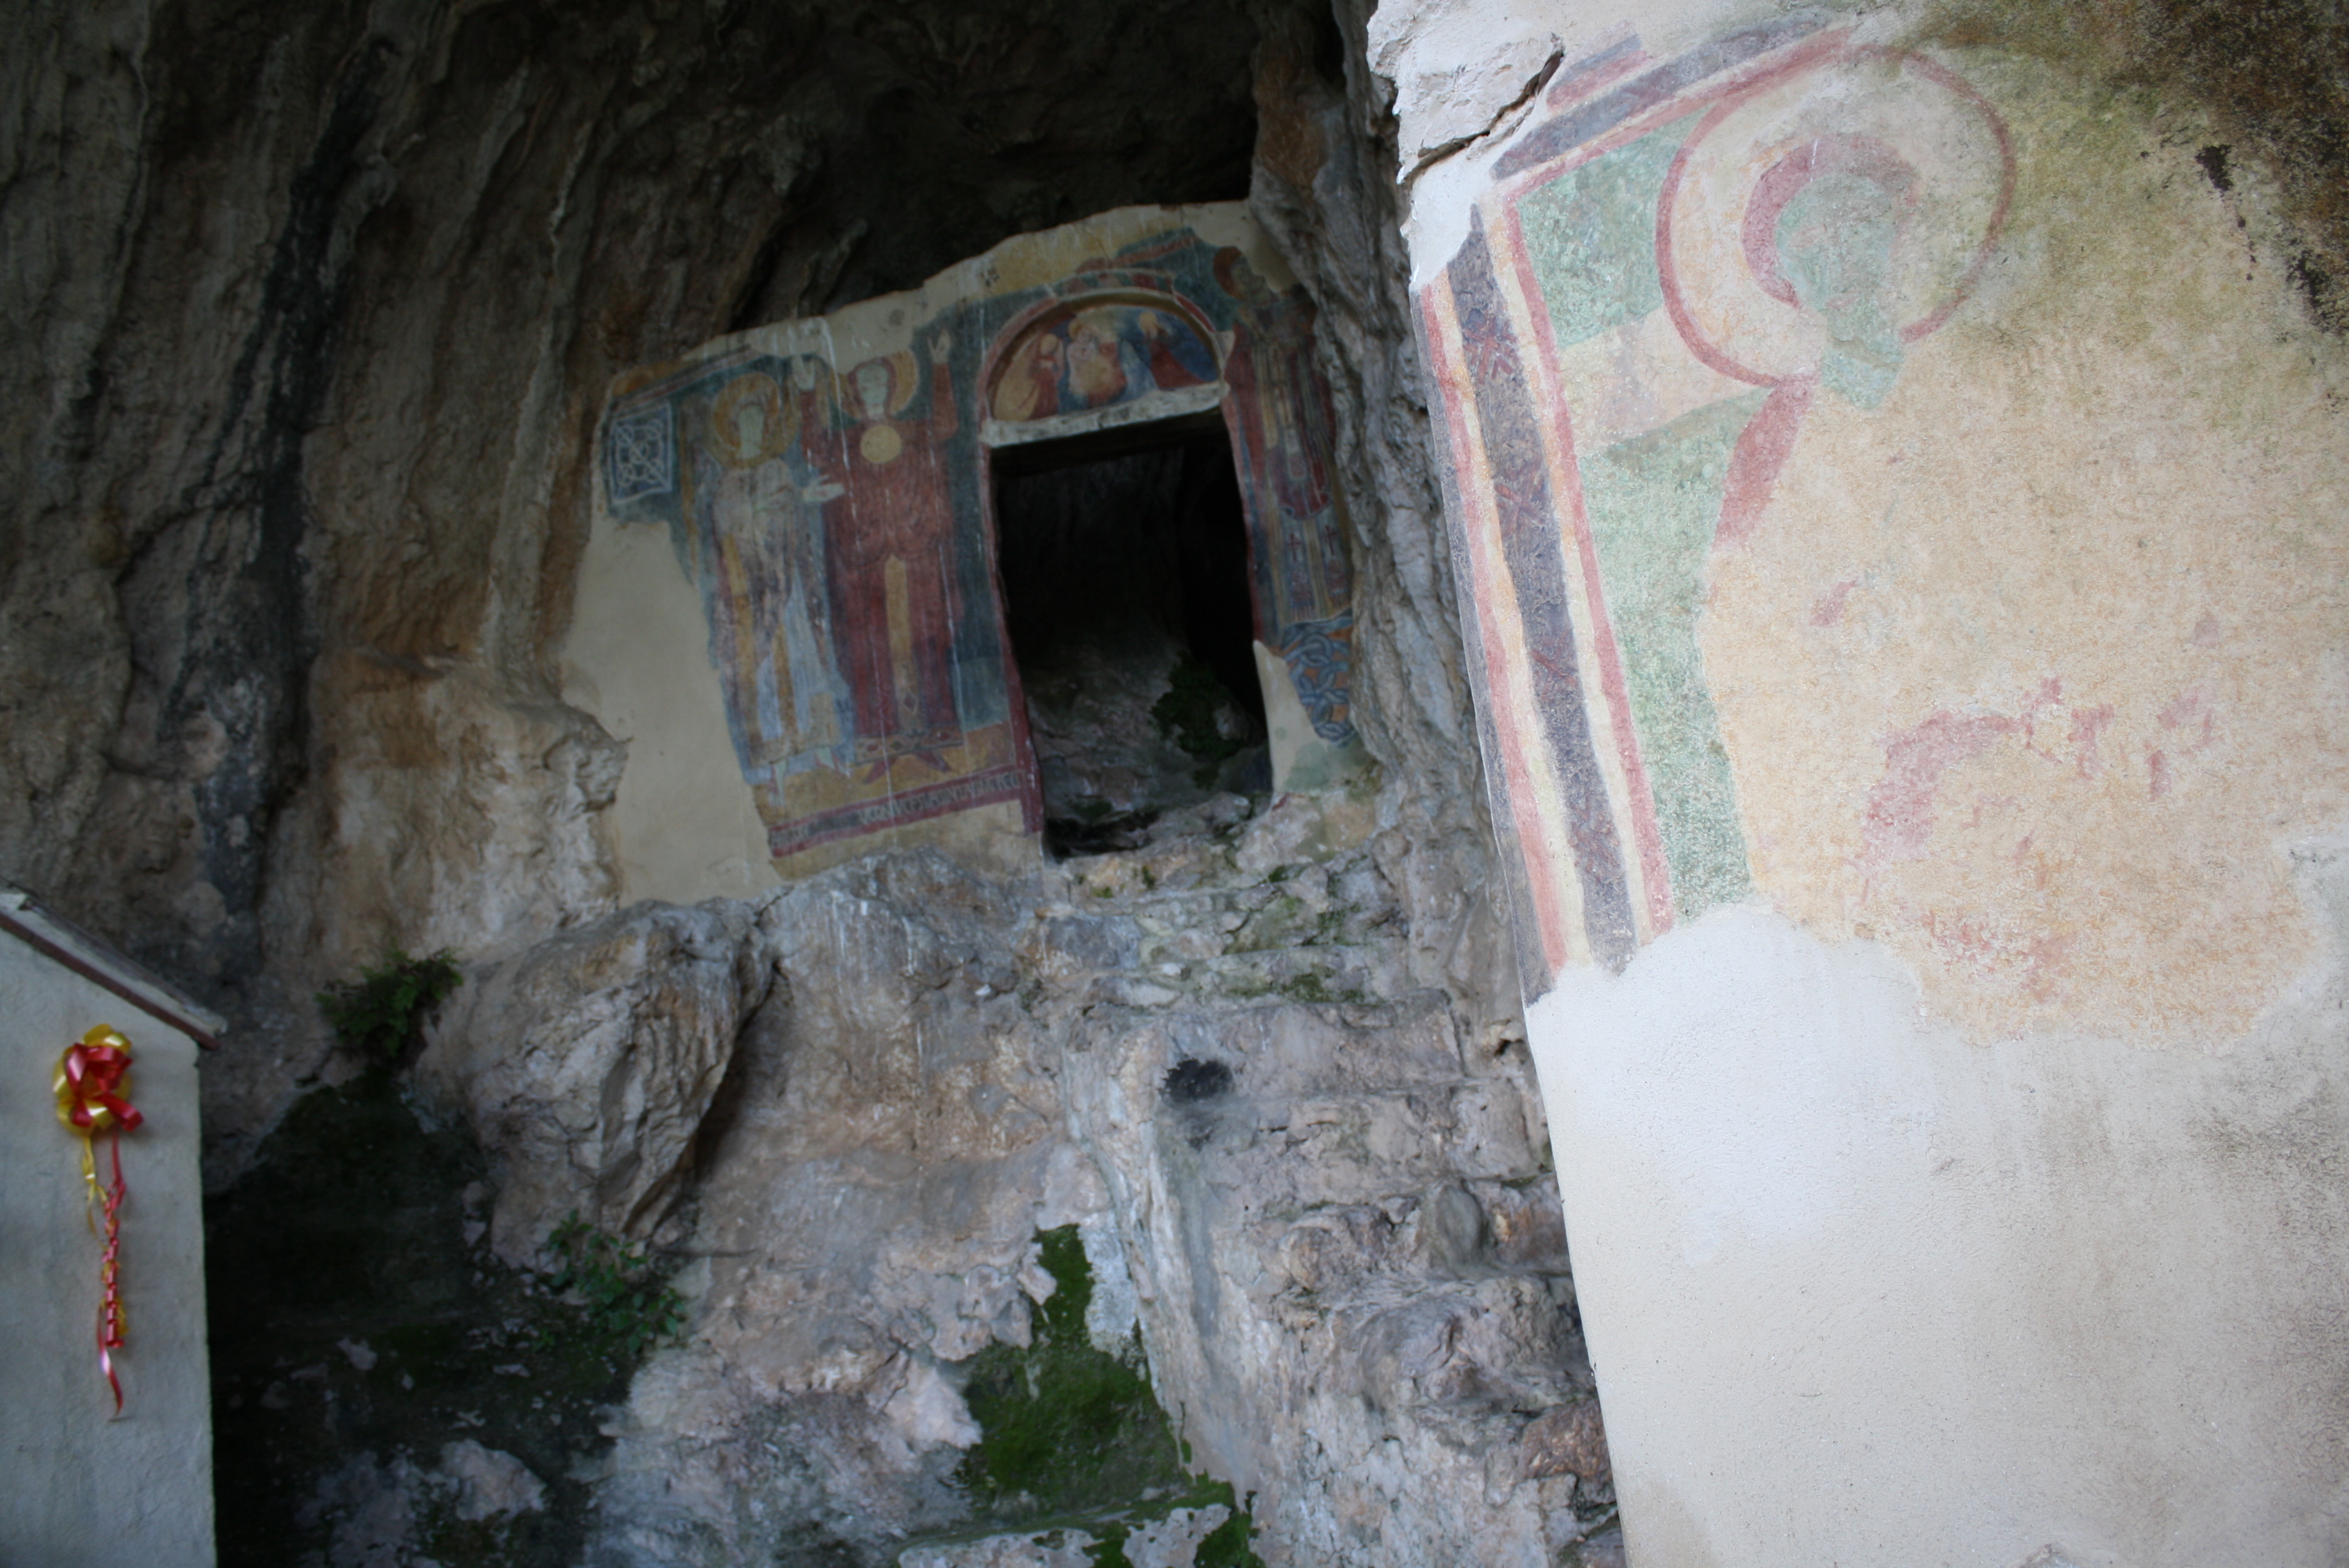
x=87, y=1488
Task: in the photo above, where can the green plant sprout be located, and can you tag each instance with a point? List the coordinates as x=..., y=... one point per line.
x=629, y=1302
x=380, y=1013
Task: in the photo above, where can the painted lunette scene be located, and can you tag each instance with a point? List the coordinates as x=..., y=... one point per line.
x=827, y=487
x=1670, y=270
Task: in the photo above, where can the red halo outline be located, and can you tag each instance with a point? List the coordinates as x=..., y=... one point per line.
x=1933, y=71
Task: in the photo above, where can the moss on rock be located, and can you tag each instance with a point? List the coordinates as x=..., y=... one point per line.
x=1071, y=1434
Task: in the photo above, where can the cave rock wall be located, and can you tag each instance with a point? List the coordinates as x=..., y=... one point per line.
x=315, y=310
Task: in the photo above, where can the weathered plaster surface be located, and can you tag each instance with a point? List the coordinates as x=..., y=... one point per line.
x=2006, y=638
x=1920, y=709
x=2034, y=671
x=1458, y=69
x=682, y=826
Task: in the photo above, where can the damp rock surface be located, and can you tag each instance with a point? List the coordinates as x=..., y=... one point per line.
x=1148, y=1203
x=317, y=308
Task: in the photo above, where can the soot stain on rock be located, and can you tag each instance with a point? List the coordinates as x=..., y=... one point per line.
x=1191, y=1081
x=2261, y=77
x=1191, y=1086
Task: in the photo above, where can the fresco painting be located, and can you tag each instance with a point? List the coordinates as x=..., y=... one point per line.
x=1747, y=569
x=810, y=507
x=1079, y=359
x=1651, y=506
x=825, y=486
x=1276, y=408
x=1683, y=240
x=1543, y=655
x=1284, y=438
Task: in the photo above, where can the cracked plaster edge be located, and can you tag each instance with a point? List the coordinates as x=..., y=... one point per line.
x=1443, y=187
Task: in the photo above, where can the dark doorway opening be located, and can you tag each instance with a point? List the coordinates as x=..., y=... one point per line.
x=1125, y=560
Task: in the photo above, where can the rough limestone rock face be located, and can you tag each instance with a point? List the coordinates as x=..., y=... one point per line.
x=311, y=309
x=589, y=1062
x=1325, y=189
x=1300, y=1197
x=1322, y=1208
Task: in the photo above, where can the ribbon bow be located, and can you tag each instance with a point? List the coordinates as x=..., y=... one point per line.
x=90, y=1088
x=89, y=1084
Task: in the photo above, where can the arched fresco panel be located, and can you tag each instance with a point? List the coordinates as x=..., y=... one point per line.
x=1105, y=352
x=1142, y=355
x=824, y=485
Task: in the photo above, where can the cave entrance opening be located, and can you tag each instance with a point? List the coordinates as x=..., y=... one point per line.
x=1123, y=557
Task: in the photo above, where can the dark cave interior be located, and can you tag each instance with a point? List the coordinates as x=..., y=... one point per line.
x=1124, y=568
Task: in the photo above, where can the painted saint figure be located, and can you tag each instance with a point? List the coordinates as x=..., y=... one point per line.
x=1821, y=231
x=891, y=549
x=757, y=530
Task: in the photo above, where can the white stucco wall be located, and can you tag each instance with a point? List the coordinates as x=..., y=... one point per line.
x=80, y=1486
x=1858, y=1292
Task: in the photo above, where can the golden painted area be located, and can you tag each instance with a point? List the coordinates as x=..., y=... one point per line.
x=992, y=837
x=2036, y=674
x=825, y=788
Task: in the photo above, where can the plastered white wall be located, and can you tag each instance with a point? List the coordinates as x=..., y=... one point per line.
x=682, y=824
x=80, y=1486
x=1860, y=1292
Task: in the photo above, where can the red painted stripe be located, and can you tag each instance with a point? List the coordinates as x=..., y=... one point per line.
x=1534, y=846
x=1760, y=453
x=1655, y=876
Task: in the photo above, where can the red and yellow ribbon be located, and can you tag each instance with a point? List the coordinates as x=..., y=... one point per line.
x=90, y=1101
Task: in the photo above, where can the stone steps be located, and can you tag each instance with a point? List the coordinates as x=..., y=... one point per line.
x=1315, y=933
x=1312, y=975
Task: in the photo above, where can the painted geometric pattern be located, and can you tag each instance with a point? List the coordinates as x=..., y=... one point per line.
x=1320, y=659
x=641, y=451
